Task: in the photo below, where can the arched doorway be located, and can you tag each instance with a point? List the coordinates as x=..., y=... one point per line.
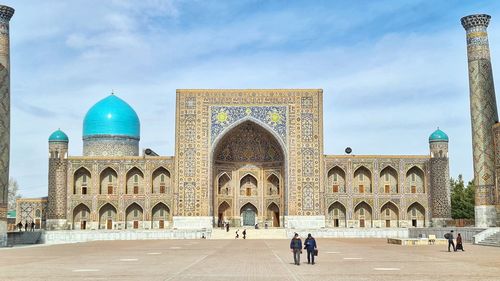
x=81, y=215
x=133, y=217
x=389, y=214
x=416, y=215
x=248, y=165
x=363, y=214
x=107, y=216
x=223, y=212
x=248, y=214
x=336, y=215
x=273, y=215
x=160, y=216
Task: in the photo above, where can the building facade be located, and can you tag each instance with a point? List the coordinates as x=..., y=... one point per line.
x=241, y=156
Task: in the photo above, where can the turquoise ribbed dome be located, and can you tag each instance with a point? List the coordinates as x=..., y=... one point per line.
x=111, y=116
x=59, y=136
x=438, y=135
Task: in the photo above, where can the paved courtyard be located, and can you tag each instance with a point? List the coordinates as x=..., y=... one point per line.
x=339, y=259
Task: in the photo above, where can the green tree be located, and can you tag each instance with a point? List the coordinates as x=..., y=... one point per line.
x=13, y=194
x=462, y=199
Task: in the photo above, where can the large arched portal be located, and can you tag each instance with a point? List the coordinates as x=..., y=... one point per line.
x=248, y=166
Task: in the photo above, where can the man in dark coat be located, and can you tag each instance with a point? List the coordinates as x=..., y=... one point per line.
x=450, y=241
x=296, y=247
x=310, y=246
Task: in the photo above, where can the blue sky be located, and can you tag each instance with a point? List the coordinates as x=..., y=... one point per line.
x=392, y=71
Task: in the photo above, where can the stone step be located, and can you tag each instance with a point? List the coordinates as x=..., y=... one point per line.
x=273, y=233
x=489, y=244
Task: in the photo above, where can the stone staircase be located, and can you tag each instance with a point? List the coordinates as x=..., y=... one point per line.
x=491, y=240
x=270, y=233
x=23, y=238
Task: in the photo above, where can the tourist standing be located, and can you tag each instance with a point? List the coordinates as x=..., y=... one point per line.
x=449, y=236
x=460, y=246
x=26, y=225
x=20, y=226
x=237, y=235
x=310, y=246
x=227, y=226
x=245, y=233
x=32, y=226
x=296, y=247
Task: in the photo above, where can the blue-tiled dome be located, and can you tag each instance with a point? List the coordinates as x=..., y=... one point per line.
x=111, y=116
x=58, y=136
x=438, y=135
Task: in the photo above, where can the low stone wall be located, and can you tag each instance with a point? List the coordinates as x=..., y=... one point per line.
x=416, y=241
x=351, y=232
x=467, y=233
x=73, y=236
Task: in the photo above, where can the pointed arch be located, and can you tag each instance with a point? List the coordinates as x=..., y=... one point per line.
x=389, y=212
x=336, y=180
x=107, y=216
x=273, y=215
x=134, y=215
x=389, y=180
x=81, y=216
x=415, y=180
x=108, y=181
x=248, y=214
x=273, y=184
x=363, y=213
x=134, y=180
x=362, y=180
x=248, y=185
x=416, y=215
x=82, y=181
x=161, y=181
x=160, y=216
x=223, y=184
x=337, y=215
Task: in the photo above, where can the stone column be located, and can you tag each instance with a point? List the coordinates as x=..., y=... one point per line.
x=6, y=14
x=484, y=115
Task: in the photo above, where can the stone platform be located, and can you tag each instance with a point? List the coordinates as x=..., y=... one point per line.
x=416, y=241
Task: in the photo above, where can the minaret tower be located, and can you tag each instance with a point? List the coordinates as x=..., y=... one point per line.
x=440, y=179
x=6, y=14
x=58, y=173
x=484, y=115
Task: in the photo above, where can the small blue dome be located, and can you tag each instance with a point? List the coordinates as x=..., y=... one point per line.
x=58, y=136
x=111, y=116
x=438, y=135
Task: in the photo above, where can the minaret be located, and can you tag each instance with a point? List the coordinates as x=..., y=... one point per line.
x=6, y=14
x=484, y=115
x=439, y=179
x=58, y=174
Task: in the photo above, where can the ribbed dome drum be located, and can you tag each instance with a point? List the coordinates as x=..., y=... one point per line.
x=111, y=128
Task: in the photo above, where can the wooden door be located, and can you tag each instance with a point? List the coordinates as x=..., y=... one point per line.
x=83, y=225
x=109, y=224
x=37, y=224
x=110, y=189
x=162, y=224
x=336, y=222
x=276, y=219
x=136, y=224
x=387, y=223
x=414, y=223
x=361, y=223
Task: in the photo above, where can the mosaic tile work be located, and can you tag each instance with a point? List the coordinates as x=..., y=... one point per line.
x=482, y=106
x=223, y=116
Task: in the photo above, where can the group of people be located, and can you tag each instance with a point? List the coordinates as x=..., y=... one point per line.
x=309, y=245
x=26, y=225
x=244, y=234
x=450, y=238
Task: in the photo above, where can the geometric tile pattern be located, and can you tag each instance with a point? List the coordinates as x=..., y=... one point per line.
x=483, y=106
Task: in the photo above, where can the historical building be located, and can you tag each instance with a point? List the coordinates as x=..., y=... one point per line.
x=242, y=156
x=31, y=210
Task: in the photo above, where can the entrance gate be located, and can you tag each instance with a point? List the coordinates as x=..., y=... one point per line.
x=249, y=217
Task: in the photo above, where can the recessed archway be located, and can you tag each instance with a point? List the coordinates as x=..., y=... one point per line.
x=81, y=216
x=337, y=215
x=248, y=214
x=389, y=214
x=160, y=216
x=416, y=215
x=247, y=163
x=273, y=215
x=363, y=214
x=133, y=216
x=107, y=216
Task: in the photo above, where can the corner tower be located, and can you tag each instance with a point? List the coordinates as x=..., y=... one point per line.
x=440, y=179
x=6, y=14
x=58, y=188
x=484, y=115
x=111, y=128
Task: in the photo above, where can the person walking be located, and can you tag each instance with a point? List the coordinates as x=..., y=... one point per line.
x=460, y=246
x=237, y=235
x=310, y=245
x=227, y=226
x=296, y=247
x=449, y=236
x=26, y=225
x=245, y=233
x=32, y=226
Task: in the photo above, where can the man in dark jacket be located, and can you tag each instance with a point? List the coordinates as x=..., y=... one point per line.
x=310, y=246
x=450, y=241
x=296, y=247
